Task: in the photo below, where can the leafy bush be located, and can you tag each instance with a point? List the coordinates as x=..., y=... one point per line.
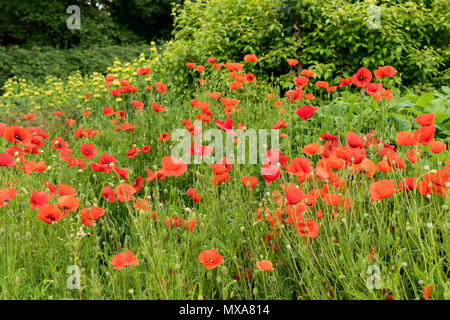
x=334, y=37
x=229, y=29
x=35, y=64
x=44, y=23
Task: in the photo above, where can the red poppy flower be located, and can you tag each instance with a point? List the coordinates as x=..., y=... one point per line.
x=222, y=166
x=88, y=215
x=250, y=77
x=354, y=140
x=108, y=194
x=386, y=71
x=235, y=85
x=250, y=58
x=437, y=146
x=172, y=166
x=312, y=148
x=132, y=152
x=265, y=265
x=294, y=95
x=68, y=204
x=362, y=77
x=39, y=199
x=299, y=167
x=309, y=229
x=124, y=192
x=146, y=149
x=405, y=138
x=249, y=181
x=425, y=134
x=425, y=119
x=307, y=73
x=138, y=183
x=138, y=104
x=270, y=172
x=7, y=195
x=427, y=291
x=294, y=194
x=292, y=62
x=16, y=134
x=301, y=81
x=200, y=150
x=7, y=160
x=158, y=108
x=49, y=214
x=407, y=184
x=124, y=259
x=279, y=124
x=143, y=71
x=160, y=87
x=220, y=178
x=108, y=111
x=33, y=166
x=306, y=112
x=88, y=150
x=413, y=155
x=210, y=258
x=322, y=84
x=194, y=196
x=382, y=189
x=164, y=136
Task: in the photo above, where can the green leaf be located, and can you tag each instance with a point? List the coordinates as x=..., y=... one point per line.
x=400, y=123
x=425, y=99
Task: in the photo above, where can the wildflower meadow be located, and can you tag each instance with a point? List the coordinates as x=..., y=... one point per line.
x=216, y=180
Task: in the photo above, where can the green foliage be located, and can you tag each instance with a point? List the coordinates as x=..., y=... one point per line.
x=336, y=38
x=148, y=19
x=332, y=38
x=103, y=23
x=35, y=64
x=228, y=29
x=44, y=23
x=410, y=106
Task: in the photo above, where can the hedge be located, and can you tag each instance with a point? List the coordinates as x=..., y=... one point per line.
x=36, y=63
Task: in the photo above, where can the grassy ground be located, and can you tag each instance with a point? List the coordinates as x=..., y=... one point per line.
x=401, y=240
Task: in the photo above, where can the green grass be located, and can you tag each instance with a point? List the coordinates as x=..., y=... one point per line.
x=409, y=254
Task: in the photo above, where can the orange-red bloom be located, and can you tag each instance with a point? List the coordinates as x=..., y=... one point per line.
x=382, y=189
x=210, y=258
x=194, y=196
x=124, y=259
x=49, y=214
x=265, y=265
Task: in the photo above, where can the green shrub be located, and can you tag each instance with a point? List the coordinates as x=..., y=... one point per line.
x=35, y=64
x=228, y=29
x=330, y=37
x=336, y=38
